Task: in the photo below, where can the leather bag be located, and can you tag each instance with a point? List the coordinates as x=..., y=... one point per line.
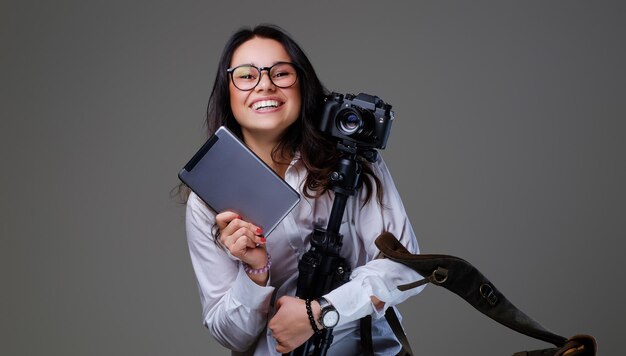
x=463, y=279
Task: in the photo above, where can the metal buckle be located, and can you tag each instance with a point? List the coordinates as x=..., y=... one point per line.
x=487, y=292
x=439, y=276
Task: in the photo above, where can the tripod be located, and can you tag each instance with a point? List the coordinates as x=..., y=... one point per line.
x=322, y=269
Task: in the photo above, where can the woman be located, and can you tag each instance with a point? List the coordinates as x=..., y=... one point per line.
x=267, y=92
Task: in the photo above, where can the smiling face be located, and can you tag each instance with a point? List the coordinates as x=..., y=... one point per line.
x=266, y=111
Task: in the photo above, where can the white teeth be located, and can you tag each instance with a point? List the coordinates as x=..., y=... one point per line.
x=264, y=104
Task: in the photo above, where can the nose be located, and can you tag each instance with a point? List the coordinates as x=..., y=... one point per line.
x=264, y=82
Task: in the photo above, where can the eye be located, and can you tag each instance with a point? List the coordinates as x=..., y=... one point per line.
x=283, y=70
x=282, y=74
x=245, y=73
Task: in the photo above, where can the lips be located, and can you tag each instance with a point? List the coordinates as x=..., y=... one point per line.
x=266, y=104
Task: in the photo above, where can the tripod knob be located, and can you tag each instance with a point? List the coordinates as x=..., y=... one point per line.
x=336, y=177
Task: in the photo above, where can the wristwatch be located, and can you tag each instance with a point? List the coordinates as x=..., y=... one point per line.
x=329, y=317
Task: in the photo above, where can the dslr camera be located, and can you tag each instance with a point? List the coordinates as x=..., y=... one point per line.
x=363, y=120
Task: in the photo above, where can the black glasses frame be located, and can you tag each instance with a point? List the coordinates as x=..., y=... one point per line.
x=230, y=71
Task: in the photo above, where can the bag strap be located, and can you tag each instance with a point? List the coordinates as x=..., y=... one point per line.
x=463, y=279
x=394, y=322
x=367, y=348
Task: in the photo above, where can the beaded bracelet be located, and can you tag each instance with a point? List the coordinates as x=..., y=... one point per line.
x=248, y=269
x=309, y=312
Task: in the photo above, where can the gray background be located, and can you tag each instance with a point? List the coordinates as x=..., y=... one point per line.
x=508, y=149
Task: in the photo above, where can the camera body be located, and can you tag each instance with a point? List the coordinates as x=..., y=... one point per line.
x=364, y=120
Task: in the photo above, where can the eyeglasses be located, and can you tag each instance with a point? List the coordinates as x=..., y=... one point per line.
x=246, y=77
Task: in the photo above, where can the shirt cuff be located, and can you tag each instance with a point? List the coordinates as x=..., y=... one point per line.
x=351, y=302
x=353, y=299
x=250, y=294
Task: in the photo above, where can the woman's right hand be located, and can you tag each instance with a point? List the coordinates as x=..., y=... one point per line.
x=244, y=240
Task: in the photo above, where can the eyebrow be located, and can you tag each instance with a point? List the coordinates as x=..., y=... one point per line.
x=254, y=65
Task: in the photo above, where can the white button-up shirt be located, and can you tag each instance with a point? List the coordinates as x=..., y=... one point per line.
x=236, y=310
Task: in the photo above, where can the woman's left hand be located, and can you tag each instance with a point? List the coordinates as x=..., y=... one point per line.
x=290, y=325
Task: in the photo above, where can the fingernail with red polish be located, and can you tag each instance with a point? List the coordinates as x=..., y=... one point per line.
x=263, y=239
x=259, y=231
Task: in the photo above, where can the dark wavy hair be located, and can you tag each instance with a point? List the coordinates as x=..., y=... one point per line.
x=317, y=151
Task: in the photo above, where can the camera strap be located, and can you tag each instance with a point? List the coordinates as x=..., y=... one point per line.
x=463, y=279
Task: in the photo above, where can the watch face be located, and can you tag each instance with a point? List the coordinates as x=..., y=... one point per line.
x=330, y=319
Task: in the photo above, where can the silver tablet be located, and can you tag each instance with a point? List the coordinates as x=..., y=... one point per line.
x=226, y=175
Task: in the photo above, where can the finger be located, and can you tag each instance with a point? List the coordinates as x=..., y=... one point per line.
x=274, y=325
x=232, y=229
x=284, y=348
x=237, y=223
x=240, y=246
x=228, y=238
x=279, y=303
x=239, y=240
x=281, y=349
x=222, y=219
x=255, y=240
x=250, y=240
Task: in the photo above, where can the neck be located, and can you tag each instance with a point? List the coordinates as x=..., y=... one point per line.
x=263, y=146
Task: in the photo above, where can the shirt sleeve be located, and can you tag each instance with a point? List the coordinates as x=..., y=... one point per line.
x=376, y=277
x=234, y=308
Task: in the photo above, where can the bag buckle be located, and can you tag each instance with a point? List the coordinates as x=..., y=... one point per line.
x=487, y=292
x=439, y=276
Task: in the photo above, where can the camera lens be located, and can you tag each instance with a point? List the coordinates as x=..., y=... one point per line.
x=349, y=123
x=356, y=123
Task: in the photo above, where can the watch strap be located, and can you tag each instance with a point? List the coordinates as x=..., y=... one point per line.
x=325, y=307
x=324, y=303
